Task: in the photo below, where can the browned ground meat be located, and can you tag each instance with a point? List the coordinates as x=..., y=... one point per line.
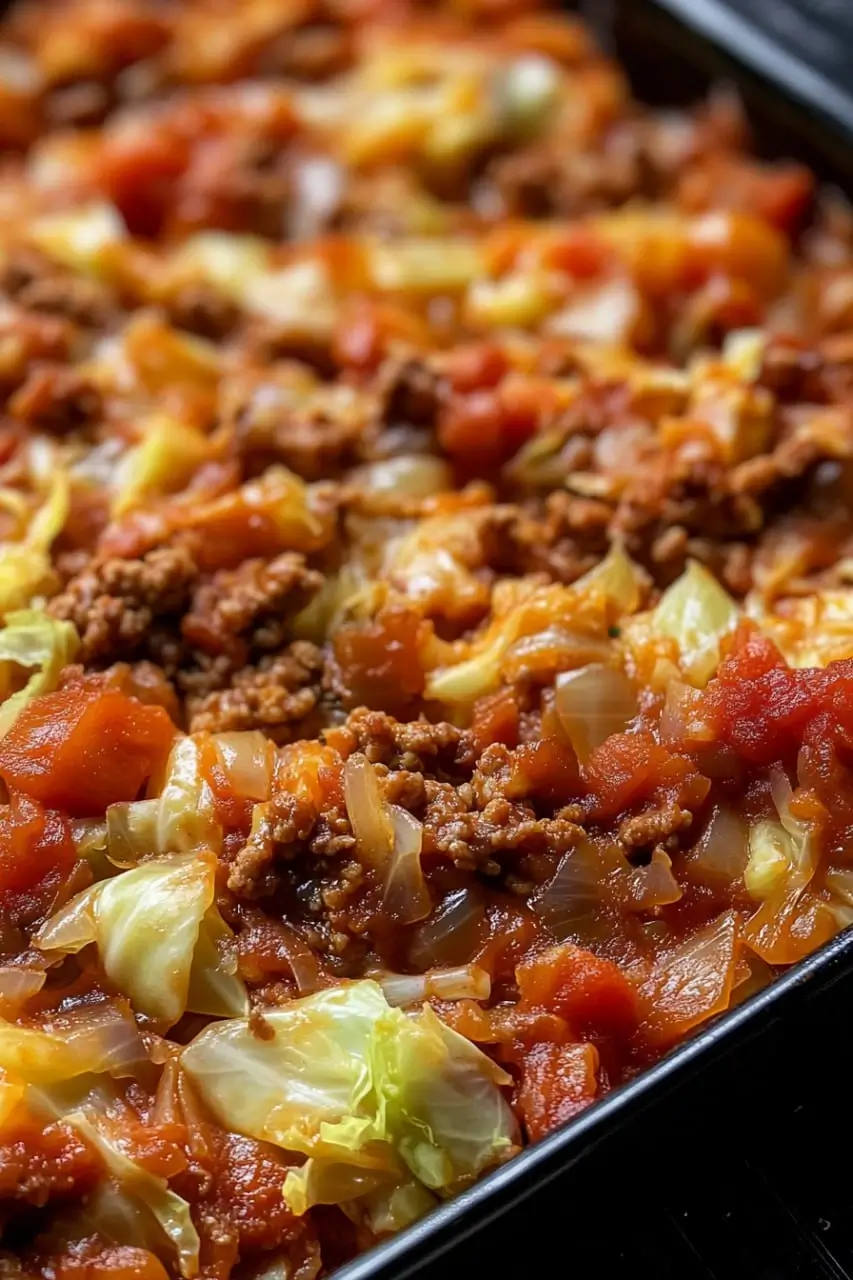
x=249, y=609
x=114, y=604
x=276, y=695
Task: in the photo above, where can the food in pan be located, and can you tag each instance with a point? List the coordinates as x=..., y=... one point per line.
x=426, y=591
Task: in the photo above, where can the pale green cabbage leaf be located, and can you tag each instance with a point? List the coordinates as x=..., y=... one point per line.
x=87, y=1041
x=25, y=567
x=180, y=819
x=696, y=612
x=372, y=1096
x=31, y=638
x=159, y=935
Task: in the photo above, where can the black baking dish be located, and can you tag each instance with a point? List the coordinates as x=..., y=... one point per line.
x=787, y=60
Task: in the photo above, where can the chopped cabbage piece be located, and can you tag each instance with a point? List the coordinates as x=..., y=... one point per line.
x=522, y=609
x=159, y=935
x=33, y=639
x=79, y=237
x=25, y=566
x=444, y=1105
x=361, y=1089
x=781, y=852
x=529, y=91
x=299, y=297
x=103, y=1038
x=696, y=612
x=226, y=261
x=771, y=857
x=179, y=820
x=163, y=461
x=185, y=818
x=427, y=266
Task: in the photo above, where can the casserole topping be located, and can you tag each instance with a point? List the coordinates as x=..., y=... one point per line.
x=426, y=610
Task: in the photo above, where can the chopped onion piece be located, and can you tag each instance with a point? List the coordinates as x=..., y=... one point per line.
x=839, y=881
x=90, y=1039
x=452, y=934
x=719, y=856
x=593, y=703
x=571, y=904
x=466, y=982
x=405, y=895
x=388, y=840
x=18, y=983
x=367, y=812
x=653, y=885
x=248, y=759
x=693, y=981
x=410, y=475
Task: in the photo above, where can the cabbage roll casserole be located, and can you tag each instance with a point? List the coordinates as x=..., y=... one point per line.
x=426, y=607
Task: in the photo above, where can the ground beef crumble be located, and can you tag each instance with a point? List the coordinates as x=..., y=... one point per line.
x=114, y=603
x=275, y=695
x=240, y=611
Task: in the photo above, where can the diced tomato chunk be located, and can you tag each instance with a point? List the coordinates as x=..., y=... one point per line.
x=83, y=748
x=631, y=767
x=589, y=992
x=557, y=1082
x=548, y=770
x=380, y=661
x=496, y=719
x=483, y=428
x=34, y=845
x=476, y=365
x=137, y=171
x=580, y=252
x=763, y=708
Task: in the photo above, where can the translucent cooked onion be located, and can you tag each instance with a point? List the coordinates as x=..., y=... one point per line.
x=248, y=759
x=131, y=831
x=719, y=856
x=678, y=722
x=388, y=840
x=790, y=924
x=303, y=963
x=653, y=885
x=571, y=904
x=18, y=983
x=367, y=812
x=554, y=649
x=94, y=1039
x=593, y=703
x=452, y=933
x=409, y=475
x=693, y=981
x=72, y=927
x=318, y=184
x=465, y=982
x=839, y=881
x=405, y=895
